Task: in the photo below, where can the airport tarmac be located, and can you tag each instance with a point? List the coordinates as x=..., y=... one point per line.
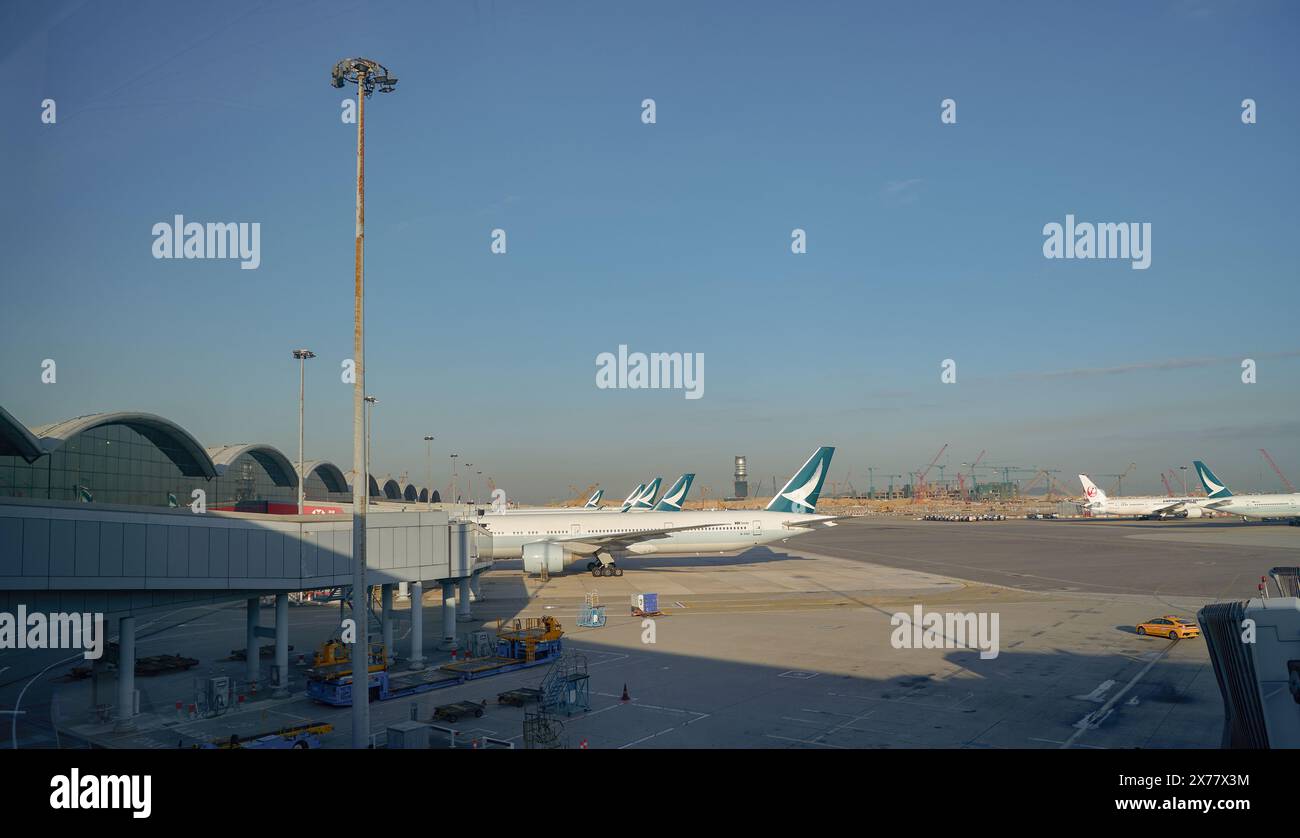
x=1202, y=558
x=792, y=648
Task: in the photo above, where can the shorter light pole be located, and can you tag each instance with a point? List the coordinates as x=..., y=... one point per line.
x=428, y=457
x=1183, y=469
x=371, y=401
x=453, y=477
x=470, y=473
x=302, y=355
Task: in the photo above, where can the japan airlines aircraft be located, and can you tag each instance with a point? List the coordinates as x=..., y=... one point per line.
x=1151, y=506
x=1221, y=499
x=548, y=542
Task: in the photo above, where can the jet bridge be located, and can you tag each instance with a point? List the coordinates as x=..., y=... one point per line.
x=1255, y=649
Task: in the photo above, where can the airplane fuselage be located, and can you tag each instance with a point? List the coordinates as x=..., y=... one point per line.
x=1149, y=505
x=1257, y=506
x=720, y=531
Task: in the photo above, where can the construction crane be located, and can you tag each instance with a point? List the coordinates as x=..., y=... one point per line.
x=1042, y=473
x=919, y=488
x=974, y=480
x=1169, y=492
x=579, y=496
x=1064, y=491
x=1278, y=471
x=1006, y=471
x=1119, y=479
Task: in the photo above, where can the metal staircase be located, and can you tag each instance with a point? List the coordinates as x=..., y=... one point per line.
x=566, y=688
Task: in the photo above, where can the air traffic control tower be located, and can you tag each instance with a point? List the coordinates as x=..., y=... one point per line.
x=742, y=479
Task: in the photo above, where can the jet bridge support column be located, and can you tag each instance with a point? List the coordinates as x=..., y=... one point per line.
x=252, y=656
x=448, y=614
x=386, y=617
x=462, y=601
x=476, y=587
x=126, y=674
x=416, y=591
x=281, y=686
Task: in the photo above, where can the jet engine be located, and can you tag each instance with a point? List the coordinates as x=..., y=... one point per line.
x=546, y=555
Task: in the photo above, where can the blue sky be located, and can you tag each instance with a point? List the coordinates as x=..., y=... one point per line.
x=924, y=240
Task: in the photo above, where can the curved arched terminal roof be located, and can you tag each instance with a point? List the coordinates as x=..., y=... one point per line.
x=277, y=465
x=410, y=491
x=16, y=440
x=334, y=478
x=392, y=491
x=181, y=448
x=374, y=486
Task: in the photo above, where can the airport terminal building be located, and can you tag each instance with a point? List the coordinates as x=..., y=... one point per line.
x=140, y=459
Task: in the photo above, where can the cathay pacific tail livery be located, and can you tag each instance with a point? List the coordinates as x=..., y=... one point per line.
x=646, y=500
x=546, y=543
x=676, y=496
x=1221, y=499
x=631, y=499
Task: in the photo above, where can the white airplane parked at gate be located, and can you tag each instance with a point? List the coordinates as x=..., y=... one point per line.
x=1221, y=499
x=1151, y=506
x=550, y=541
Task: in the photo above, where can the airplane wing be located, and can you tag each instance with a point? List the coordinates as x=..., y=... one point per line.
x=823, y=520
x=621, y=541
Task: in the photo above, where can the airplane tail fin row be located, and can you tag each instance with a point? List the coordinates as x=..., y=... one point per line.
x=798, y=496
x=631, y=499
x=800, y=493
x=594, y=501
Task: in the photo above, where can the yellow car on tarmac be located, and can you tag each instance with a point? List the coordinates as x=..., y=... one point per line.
x=1175, y=628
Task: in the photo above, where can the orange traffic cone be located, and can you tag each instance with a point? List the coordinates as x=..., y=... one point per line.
x=625, y=697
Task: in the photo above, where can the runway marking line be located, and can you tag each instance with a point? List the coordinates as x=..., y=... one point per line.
x=1106, y=709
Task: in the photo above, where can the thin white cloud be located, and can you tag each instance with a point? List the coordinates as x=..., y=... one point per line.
x=1143, y=366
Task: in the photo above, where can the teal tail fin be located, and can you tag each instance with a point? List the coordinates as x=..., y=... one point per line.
x=1214, y=487
x=631, y=499
x=800, y=493
x=647, y=498
x=676, y=496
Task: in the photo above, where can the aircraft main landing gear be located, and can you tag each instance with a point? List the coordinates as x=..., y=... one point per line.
x=610, y=569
